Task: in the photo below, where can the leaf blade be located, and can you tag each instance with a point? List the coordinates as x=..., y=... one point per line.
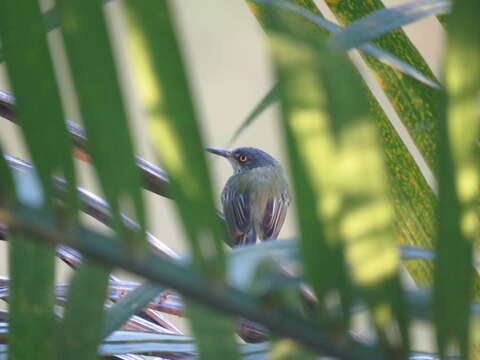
x=177, y=139
x=415, y=202
x=129, y=305
x=102, y=109
x=31, y=302
x=385, y=20
x=31, y=269
x=268, y=99
x=323, y=118
x=459, y=174
x=82, y=325
x=37, y=96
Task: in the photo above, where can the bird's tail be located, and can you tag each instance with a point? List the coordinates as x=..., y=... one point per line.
x=248, y=238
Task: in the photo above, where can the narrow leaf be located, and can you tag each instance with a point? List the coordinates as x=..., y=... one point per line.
x=128, y=306
x=174, y=124
x=462, y=76
x=82, y=326
x=385, y=20
x=267, y=100
x=40, y=113
x=176, y=136
x=377, y=52
x=7, y=188
x=32, y=322
x=102, y=109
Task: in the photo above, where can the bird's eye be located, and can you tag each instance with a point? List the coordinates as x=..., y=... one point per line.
x=242, y=158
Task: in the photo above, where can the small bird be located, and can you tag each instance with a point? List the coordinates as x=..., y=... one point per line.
x=255, y=198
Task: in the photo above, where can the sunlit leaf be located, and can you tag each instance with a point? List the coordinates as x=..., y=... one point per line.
x=174, y=124
x=414, y=200
x=176, y=137
x=462, y=77
x=453, y=279
x=416, y=105
x=341, y=220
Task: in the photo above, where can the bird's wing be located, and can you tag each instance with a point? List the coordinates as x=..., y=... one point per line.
x=238, y=216
x=274, y=216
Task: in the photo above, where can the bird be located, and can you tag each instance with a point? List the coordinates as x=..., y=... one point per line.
x=255, y=198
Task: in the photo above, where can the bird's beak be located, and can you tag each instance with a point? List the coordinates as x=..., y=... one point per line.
x=221, y=152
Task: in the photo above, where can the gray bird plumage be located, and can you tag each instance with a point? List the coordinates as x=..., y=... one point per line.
x=255, y=198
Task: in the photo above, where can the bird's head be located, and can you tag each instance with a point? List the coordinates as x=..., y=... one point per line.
x=245, y=158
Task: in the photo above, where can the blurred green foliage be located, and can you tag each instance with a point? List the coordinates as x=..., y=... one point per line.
x=359, y=193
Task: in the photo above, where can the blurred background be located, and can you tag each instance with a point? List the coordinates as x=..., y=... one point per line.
x=229, y=71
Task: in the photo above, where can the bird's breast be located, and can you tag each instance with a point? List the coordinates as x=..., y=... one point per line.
x=261, y=184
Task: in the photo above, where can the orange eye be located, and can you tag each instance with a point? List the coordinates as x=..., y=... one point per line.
x=242, y=158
